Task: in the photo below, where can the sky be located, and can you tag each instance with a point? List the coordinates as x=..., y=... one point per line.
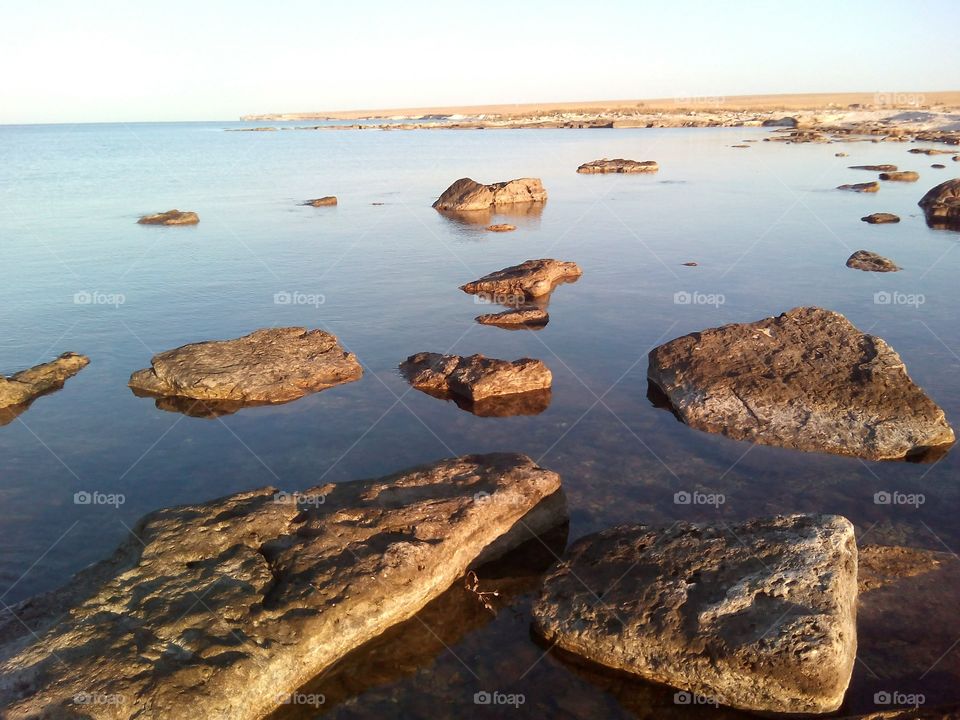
x=137, y=60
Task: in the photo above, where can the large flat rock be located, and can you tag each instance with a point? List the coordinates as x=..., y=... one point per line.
x=518, y=283
x=807, y=379
x=619, y=165
x=468, y=195
x=759, y=615
x=221, y=610
x=20, y=389
x=267, y=366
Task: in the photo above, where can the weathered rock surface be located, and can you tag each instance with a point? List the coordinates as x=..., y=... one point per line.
x=941, y=204
x=223, y=609
x=881, y=218
x=501, y=227
x=860, y=187
x=760, y=615
x=530, y=279
x=170, y=217
x=475, y=377
x=20, y=389
x=271, y=365
x=871, y=262
x=807, y=379
x=618, y=165
x=875, y=168
x=523, y=316
x=902, y=176
x=467, y=195
x=325, y=201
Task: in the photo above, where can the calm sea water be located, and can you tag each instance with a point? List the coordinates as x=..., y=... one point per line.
x=764, y=225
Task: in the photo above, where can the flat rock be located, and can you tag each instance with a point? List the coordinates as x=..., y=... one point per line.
x=875, y=168
x=475, y=377
x=271, y=365
x=871, y=262
x=941, y=204
x=20, y=389
x=881, y=218
x=530, y=279
x=467, y=195
x=860, y=187
x=619, y=165
x=170, y=217
x=523, y=316
x=939, y=166
x=807, y=379
x=322, y=202
x=902, y=176
x=223, y=609
x=930, y=151
x=501, y=227
x=759, y=615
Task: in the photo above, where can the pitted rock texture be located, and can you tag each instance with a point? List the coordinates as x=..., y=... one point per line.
x=475, y=377
x=171, y=217
x=466, y=194
x=619, y=165
x=529, y=279
x=523, y=316
x=871, y=262
x=20, y=389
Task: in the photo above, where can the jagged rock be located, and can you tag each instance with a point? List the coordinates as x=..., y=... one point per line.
x=759, y=615
x=20, y=389
x=619, y=165
x=941, y=204
x=860, y=187
x=530, y=279
x=523, y=316
x=875, y=168
x=501, y=227
x=222, y=610
x=475, y=377
x=322, y=202
x=271, y=365
x=807, y=379
x=467, y=195
x=170, y=217
x=902, y=176
x=871, y=262
x=881, y=218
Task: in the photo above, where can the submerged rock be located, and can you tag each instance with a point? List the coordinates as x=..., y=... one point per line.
x=902, y=176
x=939, y=166
x=20, y=389
x=475, y=377
x=523, y=316
x=322, y=202
x=759, y=616
x=875, y=168
x=871, y=262
x=271, y=365
x=788, y=122
x=930, y=151
x=170, y=217
x=881, y=218
x=530, y=279
x=619, y=165
x=467, y=195
x=861, y=187
x=807, y=379
x=941, y=204
x=223, y=609
x=501, y=227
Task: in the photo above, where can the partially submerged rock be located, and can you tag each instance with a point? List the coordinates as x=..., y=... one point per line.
x=788, y=122
x=902, y=176
x=875, y=168
x=871, y=262
x=523, y=316
x=530, y=279
x=807, y=379
x=467, y=195
x=475, y=377
x=325, y=201
x=881, y=218
x=759, y=616
x=170, y=217
x=501, y=227
x=860, y=187
x=939, y=166
x=223, y=609
x=930, y=151
x=271, y=365
x=20, y=389
x=619, y=165
x=941, y=204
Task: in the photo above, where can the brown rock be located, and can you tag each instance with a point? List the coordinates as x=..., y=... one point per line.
x=466, y=194
x=788, y=122
x=170, y=217
x=840, y=154
x=938, y=166
x=530, y=279
x=875, y=168
x=322, y=202
x=475, y=377
x=501, y=227
x=941, y=204
x=871, y=262
x=903, y=176
x=759, y=616
x=619, y=165
x=222, y=610
x=20, y=389
x=807, y=379
x=930, y=151
x=861, y=187
x=524, y=316
x=267, y=366
x=881, y=218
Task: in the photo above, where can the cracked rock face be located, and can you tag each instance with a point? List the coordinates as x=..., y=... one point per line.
x=759, y=616
x=223, y=609
x=871, y=262
x=475, y=377
x=619, y=165
x=941, y=204
x=20, y=389
x=267, y=366
x=523, y=316
x=170, y=217
x=529, y=279
x=807, y=379
x=467, y=195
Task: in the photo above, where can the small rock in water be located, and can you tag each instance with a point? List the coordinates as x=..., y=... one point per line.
x=861, y=187
x=938, y=166
x=840, y=154
x=690, y=264
x=501, y=227
x=875, y=168
x=475, y=377
x=788, y=122
x=871, y=262
x=20, y=389
x=930, y=151
x=322, y=202
x=903, y=176
x=523, y=316
x=468, y=195
x=170, y=217
x=619, y=165
x=530, y=279
x=739, y=146
x=881, y=218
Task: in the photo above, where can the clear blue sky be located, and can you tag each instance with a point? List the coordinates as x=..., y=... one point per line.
x=125, y=60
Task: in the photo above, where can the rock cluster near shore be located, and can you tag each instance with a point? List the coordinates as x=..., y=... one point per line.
x=530, y=279
x=759, y=616
x=871, y=262
x=170, y=217
x=475, y=377
x=807, y=379
x=467, y=195
x=618, y=165
x=20, y=389
x=226, y=608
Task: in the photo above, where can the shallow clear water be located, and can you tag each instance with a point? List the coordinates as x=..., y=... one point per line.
x=764, y=225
